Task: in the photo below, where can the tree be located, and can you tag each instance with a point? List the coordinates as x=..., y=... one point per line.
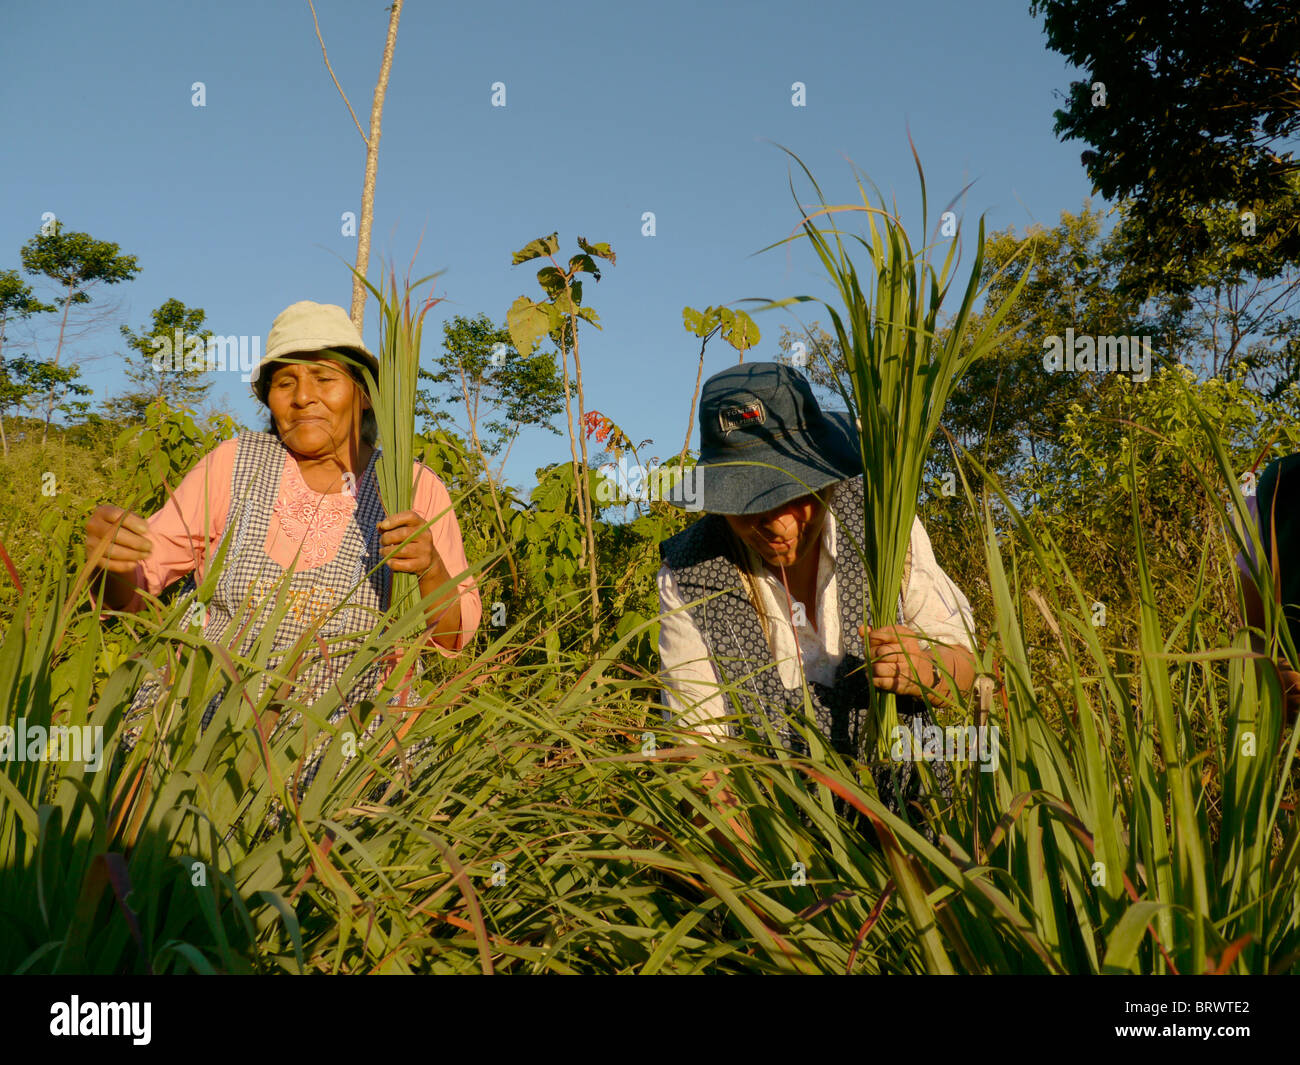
x=17, y=303
x=1185, y=109
x=24, y=381
x=171, y=340
x=1240, y=298
x=499, y=389
x=481, y=372
x=76, y=262
x=1008, y=409
x=816, y=354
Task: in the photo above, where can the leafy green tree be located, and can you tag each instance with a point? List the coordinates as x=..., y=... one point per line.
x=1186, y=108
x=1145, y=438
x=479, y=371
x=1240, y=299
x=1008, y=409
x=24, y=381
x=173, y=322
x=816, y=354
x=16, y=304
x=76, y=262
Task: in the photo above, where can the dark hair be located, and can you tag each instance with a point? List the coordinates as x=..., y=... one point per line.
x=369, y=424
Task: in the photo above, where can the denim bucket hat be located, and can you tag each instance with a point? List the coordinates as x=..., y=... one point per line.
x=765, y=441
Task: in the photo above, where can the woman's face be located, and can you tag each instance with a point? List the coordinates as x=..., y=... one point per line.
x=316, y=404
x=785, y=535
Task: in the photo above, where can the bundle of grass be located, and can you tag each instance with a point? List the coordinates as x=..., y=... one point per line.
x=393, y=400
x=902, y=367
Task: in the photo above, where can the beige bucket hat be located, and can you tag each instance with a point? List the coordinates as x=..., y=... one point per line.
x=306, y=327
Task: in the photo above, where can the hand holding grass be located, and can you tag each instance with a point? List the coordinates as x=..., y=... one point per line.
x=406, y=544
x=899, y=664
x=116, y=540
x=123, y=535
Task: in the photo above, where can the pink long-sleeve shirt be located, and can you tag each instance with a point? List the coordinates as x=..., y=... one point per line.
x=192, y=521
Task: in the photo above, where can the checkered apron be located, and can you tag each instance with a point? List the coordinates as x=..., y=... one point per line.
x=250, y=578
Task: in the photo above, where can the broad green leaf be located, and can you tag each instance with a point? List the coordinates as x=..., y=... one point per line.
x=551, y=279
x=536, y=249
x=528, y=322
x=693, y=320
x=741, y=332
x=601, y=251
x=584, y=264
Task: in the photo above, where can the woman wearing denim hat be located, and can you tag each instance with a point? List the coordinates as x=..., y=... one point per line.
x=302, y=498
x=768, y=589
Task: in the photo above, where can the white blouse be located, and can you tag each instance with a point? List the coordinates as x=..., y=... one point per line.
x=932, y=605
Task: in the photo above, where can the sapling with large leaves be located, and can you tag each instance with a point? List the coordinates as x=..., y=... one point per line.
x=737, y=329
x=557, y=316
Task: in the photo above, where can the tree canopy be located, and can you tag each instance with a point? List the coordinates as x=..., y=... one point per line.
x=1185, y=106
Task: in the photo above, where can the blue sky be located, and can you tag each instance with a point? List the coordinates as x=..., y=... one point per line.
x=611, y=111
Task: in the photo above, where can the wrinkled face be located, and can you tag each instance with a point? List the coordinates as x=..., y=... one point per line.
x=785, y=535
x=316, y=404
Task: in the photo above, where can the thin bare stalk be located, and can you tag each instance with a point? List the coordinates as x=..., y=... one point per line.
x=584, y=493
x=315, y=22
x=358, y=312
x=690, y=415
x=58, y=350
x=471, y=415
x=4, y=443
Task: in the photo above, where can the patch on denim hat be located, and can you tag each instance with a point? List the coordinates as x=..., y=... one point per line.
x=750, y=414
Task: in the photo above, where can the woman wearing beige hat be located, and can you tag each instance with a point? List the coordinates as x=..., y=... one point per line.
x=301, y=498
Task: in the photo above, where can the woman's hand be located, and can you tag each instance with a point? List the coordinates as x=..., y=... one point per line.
x=420, y=557
x=898, y=662
x=125, y=535
x=417, y=555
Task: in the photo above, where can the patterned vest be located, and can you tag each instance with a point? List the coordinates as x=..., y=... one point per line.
x=706, y=563
x=248, y=582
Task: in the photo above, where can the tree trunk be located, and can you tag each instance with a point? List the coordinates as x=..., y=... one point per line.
x=566, y=337
x=584, y=493
x=372, y=168
x=471, y=415
x=58, y=350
